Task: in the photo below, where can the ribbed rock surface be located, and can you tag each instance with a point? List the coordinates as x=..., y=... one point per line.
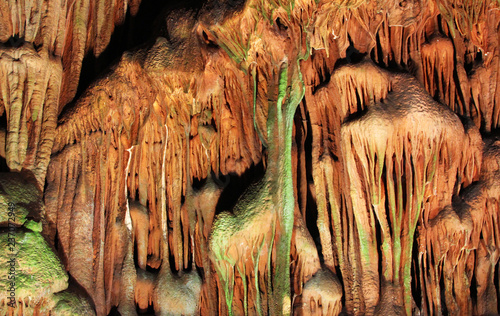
x=262, y=157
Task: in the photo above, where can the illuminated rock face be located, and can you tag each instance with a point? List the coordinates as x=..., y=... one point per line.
x=254, y=158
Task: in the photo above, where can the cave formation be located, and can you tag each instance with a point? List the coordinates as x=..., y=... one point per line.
x=250, y=157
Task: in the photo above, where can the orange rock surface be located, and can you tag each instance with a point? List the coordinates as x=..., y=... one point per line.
x=258, y=157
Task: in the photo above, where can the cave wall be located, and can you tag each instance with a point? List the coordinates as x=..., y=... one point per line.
x=256, y=157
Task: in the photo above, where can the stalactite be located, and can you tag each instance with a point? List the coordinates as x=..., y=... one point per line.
x=374, y=195
x=359, y=85
x=173, y=294
x=65, y=29
x=438, y=69
x=140, y=222
x=485, y=94
x=426, y=164
x=30, y=95
x=200, y=206
x=456, y=246
x=129, y=281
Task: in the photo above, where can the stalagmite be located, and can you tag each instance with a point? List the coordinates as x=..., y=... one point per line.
x=144, y=290
x=321, y=296
x=307, y=261
x=249, y=224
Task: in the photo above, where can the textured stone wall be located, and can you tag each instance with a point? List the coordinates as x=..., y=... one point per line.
x=256, y=157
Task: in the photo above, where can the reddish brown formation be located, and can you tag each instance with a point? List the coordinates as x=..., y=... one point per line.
x=376, y=124
x=62, y=28
x=44, y=44
x=30, y=88
x=321, y=296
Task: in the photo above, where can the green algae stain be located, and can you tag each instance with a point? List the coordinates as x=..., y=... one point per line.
x=18, y=199
x=71, y=304
x=37, y=270
x=289, y=96
x=33, y=226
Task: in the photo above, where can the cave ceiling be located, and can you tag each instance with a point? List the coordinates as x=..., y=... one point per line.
x=258, y=157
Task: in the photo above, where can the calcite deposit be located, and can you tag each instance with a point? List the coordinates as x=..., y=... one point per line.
x=250, y=157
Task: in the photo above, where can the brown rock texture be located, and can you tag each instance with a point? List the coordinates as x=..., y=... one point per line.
x=255, y=157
